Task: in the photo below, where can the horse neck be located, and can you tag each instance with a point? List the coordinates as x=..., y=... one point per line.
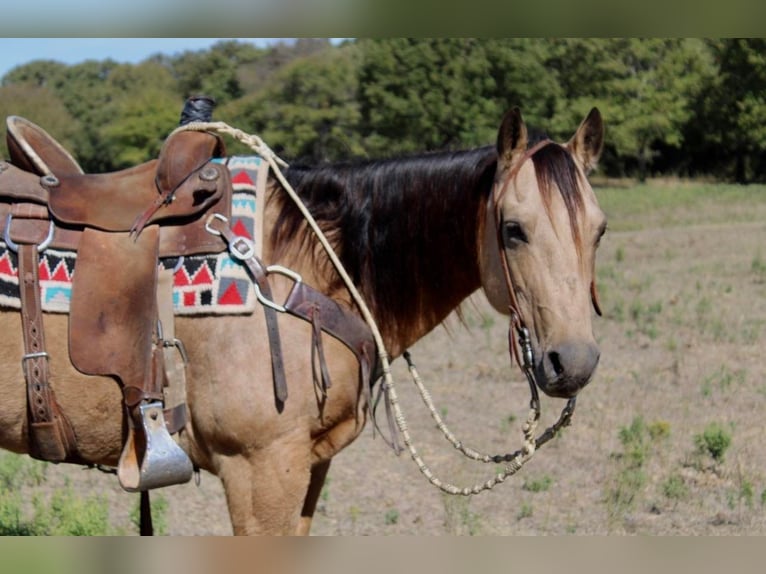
x=406, y=230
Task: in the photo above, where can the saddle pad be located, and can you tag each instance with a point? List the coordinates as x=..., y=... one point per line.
x=202, y=284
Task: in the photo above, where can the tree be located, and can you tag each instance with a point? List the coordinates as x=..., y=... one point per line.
x=144, y=108
x=214, y=72
x=41, y=106
x=308, y=109
x=730, y=125
x=645, y=89
x=447, y=93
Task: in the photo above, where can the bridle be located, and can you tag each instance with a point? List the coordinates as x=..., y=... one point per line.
x=520, y=347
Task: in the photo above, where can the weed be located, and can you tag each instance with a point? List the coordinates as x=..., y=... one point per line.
x=746, y=492
x=619, y=255
x=674, y=488
x=541, y=484
x=159, y=515
x=525, y=511
x=713, y=441
x=645, y=317
x=631, y=477
x=459, y=520
x=17, y=470
x=507, y=423
x=391, y=517
x=64, y=514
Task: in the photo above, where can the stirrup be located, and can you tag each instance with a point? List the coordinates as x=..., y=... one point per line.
x=160, y=462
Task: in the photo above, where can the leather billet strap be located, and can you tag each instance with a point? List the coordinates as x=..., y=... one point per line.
x=306, y=303
x=242, y=249
x=50, y=434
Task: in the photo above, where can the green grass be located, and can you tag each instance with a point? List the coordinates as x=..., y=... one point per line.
x=713, y=441
x=660, y=204
x=61, y=512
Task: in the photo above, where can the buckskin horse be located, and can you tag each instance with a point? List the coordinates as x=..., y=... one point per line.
x=417, y=235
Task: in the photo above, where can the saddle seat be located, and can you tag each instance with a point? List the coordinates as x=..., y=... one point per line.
x=172, y=190
x=120, y=224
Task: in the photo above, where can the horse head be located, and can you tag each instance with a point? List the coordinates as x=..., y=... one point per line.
x=542, y=228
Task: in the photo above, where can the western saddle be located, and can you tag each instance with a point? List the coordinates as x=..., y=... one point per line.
x=121, y=323
x=121, y=225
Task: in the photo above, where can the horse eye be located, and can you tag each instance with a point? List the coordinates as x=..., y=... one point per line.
x=513, y=234
x=601, y=233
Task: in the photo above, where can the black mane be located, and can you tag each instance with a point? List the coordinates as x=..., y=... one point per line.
x=404, y=228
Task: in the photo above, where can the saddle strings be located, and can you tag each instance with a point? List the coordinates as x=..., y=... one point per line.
x=514, y=462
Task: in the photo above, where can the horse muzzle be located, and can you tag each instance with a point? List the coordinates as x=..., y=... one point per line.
x=563, y=370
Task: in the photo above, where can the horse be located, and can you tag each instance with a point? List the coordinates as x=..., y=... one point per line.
x=418, y=235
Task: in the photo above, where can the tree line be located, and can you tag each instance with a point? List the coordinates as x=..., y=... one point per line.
x=684, y=107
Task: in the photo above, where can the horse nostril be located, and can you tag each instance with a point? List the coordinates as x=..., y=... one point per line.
x=555, y=360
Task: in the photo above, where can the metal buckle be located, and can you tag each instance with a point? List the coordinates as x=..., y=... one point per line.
x=13, y=246
x=278, y=269
x=210, y=219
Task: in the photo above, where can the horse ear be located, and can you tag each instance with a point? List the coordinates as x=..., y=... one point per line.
x=511, y=139
x=588, y=141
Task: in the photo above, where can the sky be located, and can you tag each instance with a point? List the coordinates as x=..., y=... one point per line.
x=17, y=51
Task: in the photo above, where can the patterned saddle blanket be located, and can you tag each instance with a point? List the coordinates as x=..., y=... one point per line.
x=203, y=284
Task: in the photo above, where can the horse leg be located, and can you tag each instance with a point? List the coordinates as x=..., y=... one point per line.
x=318, y=475
x=265, y=489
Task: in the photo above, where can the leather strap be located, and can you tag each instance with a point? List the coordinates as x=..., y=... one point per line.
x=174, y=379
x=50, y=433
x=308, y=304
x=258, y=272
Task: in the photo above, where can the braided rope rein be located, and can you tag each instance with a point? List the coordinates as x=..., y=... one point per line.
x=514, y=462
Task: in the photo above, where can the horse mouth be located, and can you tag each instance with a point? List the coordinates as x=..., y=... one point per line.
x=562, y=372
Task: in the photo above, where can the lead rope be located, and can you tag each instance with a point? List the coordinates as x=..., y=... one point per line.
x=517, y=460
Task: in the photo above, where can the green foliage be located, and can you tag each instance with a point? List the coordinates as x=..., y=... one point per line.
x=459, y=519
x=525, y=511
x=391, y=517
x=713, y=441
x=17, y=470
x=637, y=440
x=67, y=514
x=674, y=488
x=448, y=92
x=672, y=105
x=541, y=484
x=159, y=515
x=63, y=513
x=308, y=111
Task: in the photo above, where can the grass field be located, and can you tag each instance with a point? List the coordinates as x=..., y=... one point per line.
x=669, y=438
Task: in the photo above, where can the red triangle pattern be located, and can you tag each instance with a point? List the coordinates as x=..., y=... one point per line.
x=5, y=266
x=202, y=277
x=242, y=178
x=43, y=272
x=231, y=296
x=240, y=229
x=60, y=274
x=181, y=278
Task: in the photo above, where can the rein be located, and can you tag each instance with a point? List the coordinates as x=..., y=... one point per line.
x=525, y=359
